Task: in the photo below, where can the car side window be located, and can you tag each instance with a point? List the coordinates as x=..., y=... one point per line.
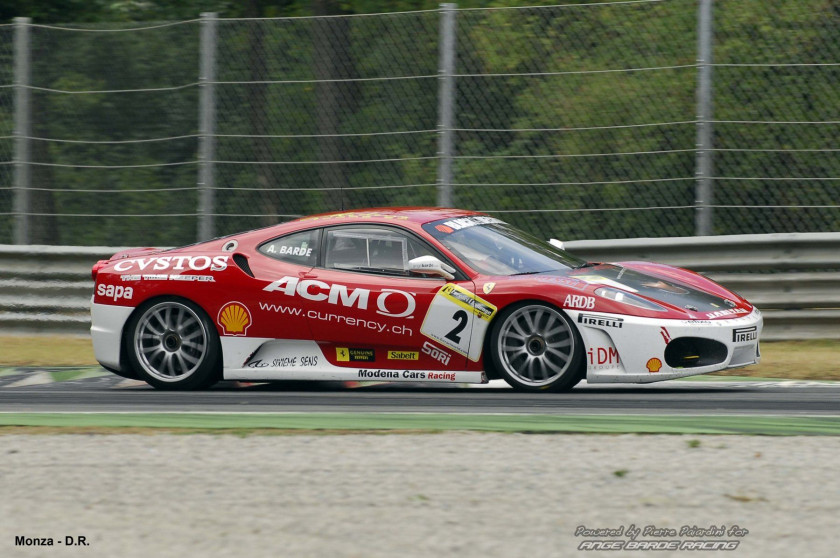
x=371, y=249
x=298, y=248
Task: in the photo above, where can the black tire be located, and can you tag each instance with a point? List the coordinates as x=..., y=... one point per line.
x=172, y=344
x=536, y=347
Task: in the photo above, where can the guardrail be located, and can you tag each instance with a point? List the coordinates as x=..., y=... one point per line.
x=793, y=278
x=47, y=289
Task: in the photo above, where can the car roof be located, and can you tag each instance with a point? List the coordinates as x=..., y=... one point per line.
x=409, y=217
x=418, y=215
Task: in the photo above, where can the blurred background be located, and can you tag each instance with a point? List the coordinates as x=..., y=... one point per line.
x=146, y=123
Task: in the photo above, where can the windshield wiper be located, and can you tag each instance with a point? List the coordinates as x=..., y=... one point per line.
x=587, y=264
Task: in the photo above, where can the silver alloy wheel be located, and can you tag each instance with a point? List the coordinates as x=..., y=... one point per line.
x=536, y=345
x=170, y=341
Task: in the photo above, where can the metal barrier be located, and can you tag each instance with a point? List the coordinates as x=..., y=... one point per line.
x=793, y=278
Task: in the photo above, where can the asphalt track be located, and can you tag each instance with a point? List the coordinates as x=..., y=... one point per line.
x=94, y=390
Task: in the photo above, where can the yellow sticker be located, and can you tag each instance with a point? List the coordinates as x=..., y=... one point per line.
x=468, y=301
x=343, y=354
x=403, y=355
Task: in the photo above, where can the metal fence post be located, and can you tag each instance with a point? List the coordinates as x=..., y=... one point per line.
x=207, y=126
x=703, y=221
x=23, y=132
x=446, y=104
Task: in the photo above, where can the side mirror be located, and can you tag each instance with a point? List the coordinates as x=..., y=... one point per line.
x=430, y=265
x=556, y=243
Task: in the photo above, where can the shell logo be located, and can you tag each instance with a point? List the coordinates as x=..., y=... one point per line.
x=234, y=317
x=654, y=365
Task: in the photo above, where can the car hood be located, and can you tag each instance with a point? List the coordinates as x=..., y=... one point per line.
x=679, y=289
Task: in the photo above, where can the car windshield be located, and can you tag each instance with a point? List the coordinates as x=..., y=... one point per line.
x=493, y=247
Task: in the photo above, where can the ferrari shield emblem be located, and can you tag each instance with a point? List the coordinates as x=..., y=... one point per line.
x=488, y=287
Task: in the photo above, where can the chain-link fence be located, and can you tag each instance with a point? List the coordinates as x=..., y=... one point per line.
x=7, y=127
x=578, y=121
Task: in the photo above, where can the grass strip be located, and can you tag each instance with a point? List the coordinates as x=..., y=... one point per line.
x=366, y=422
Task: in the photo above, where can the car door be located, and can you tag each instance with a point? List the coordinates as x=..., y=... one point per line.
x=368, y=310
x=282, y=261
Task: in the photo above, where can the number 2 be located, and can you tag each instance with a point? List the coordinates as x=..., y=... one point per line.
x=455, y=335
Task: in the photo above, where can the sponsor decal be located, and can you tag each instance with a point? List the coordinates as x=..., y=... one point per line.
x=115, y=292
x=164, y=277
x=468, y=301
x=665, y=335
x=730, y=312
x=467, y=222
x=372, y=325
x=173, y=263
x=345, y=354
x=602, y=356
x=199, y=278
x=259, y=363
x=740, y=335
x=488, y=287
x=654, y=365
x=366, y=374
x=234, y=318
x=403, y=355
x=696, y=322
x=579, y=301
x=424, y=375
x=390, y=302
x=305, y=361
x=603, y=321
x=438, y=354
x=571, y=282
x=444, y=229
x=458, y=319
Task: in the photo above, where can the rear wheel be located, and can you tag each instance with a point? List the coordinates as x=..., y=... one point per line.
x=172, y=344
x=535, y=346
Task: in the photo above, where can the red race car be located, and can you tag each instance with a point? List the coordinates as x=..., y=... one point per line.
x=409, y=294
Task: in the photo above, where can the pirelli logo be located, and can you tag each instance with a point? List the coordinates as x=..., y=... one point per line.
x=742, y=334
x=603, y=321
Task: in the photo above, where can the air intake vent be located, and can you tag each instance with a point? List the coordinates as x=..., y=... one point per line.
x=694, y=352
x=241, y=261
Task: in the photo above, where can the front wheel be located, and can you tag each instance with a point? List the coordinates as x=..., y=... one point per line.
x=172, y=344
x=534, y=346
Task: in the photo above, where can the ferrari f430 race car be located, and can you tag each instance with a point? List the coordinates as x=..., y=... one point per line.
x=410, y=294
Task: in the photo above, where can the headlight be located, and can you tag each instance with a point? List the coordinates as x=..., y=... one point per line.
x=628, y=298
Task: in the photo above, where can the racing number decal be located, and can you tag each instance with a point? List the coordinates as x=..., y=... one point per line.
x=461, y=317
x=458, y=319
